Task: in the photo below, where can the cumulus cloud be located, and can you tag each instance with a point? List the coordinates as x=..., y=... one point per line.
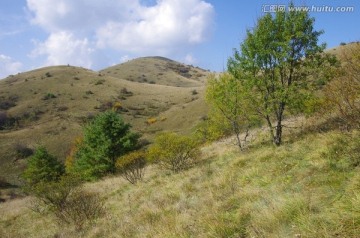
x=8, y=66
x=130, y=27
x=189, y=59
x=165, y=27
x=63, y=48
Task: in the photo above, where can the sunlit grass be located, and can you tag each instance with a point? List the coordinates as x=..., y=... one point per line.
x=290, y=191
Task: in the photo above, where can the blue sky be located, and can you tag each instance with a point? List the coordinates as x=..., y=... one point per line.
x=96, y=34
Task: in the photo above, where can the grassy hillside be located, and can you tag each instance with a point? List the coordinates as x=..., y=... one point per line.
x=51, y=104
x=297, y=190
x=158, y=70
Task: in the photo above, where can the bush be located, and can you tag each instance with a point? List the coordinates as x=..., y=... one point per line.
x=22, y=151
x=151, y=120
x=3, y=120
x=42, y=167
x=132, y=166
x=173, y=151
x=49, y=96
x=10, y=102
x=67, y=201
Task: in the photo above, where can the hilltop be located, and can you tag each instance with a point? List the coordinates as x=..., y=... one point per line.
x=50, y=105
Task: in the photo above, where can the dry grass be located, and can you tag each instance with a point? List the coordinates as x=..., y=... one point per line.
x=291, y=191
x=80, y=93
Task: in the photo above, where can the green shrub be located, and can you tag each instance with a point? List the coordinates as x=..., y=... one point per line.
x=132, y=166
x=49, y=96
x=42, y=167
x=173, y=151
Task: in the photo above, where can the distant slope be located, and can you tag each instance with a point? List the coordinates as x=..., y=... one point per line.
x=51, y=104
x=158, y=70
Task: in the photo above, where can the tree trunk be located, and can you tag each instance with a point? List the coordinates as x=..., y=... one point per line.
x=237, y=133
x=278, y=133
x=271, y=130
x=279, y=126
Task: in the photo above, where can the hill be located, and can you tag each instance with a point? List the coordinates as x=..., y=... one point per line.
x=48, y=106
x=158, y=70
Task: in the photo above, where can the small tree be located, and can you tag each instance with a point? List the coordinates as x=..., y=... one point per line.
x=42, y=167
x=173, y=151
x=274, y=63
x=132, y=166
x=105, y=139
x=227, y=95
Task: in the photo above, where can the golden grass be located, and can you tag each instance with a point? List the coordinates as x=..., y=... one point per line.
x=290, y=191
x=79, y=92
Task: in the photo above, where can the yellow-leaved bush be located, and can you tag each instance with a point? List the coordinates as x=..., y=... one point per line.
x=132, y=166
x=173, y=151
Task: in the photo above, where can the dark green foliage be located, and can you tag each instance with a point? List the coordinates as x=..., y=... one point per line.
x=49, y=96
x=42, y=167
x=106, y=138
x=274, y=63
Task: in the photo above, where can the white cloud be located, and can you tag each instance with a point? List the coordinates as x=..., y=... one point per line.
x=79, y=29
x=63, y=48
x=189, y=59
x=163, y=28
x=79, y=15
x=8, y=66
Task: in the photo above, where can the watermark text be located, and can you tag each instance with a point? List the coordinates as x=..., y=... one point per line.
x=271, y=8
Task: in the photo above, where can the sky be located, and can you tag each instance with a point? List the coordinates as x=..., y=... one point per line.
x=97, y=34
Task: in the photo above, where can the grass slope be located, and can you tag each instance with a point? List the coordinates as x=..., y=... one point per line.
x=291, y=191
x=158, y=70
x=53, y=103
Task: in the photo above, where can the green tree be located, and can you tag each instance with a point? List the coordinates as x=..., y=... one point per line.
x=42, y=167
x=173, y=151
x=227, y=95
x=274, y=63
x=105, y=139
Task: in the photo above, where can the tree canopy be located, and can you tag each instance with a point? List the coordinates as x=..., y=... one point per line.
x=274, y=63
x=105, y=139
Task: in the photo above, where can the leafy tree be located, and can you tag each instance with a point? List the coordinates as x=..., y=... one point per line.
x=227, y=95
x=105, y=139
x=212, y=127
x=173, y=151
x=42, y=167
x=274, y=63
